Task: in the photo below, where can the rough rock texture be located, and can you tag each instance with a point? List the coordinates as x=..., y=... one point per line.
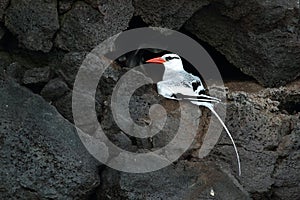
x=37, y=75
x=267, y=140
x=163, y=13
x=93, y=26
x=5, y=60
x=34, y=22
x=64, y=6
x=3, y=6
x=54, y=89
x=70, y=65
x=41, y=154
x=259, y=122
x=183, y=180
x=2, y=32
x=15, y=71
x=260, y=37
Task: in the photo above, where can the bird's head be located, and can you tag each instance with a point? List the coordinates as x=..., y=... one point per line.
x=170, y=61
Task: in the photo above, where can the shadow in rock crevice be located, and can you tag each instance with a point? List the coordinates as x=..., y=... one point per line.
x=228, y=71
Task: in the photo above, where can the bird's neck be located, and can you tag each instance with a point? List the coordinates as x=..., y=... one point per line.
x=172, y=71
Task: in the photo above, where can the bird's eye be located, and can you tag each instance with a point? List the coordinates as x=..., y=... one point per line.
x=168, y=58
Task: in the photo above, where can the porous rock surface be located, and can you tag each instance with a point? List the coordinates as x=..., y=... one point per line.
x=42, y=46
x=41, y=153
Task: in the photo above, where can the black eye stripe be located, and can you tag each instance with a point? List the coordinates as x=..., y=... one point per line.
x=170, y=58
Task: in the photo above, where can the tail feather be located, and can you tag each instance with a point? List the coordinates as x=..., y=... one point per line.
x=197, y=97
x=210, y=107
x=201, y=100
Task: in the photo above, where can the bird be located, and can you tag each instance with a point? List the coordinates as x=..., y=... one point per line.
x=178, y=84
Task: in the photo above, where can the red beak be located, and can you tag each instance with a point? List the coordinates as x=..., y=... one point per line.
x=156, y=60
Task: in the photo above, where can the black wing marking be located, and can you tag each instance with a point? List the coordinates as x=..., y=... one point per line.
x=195, y=85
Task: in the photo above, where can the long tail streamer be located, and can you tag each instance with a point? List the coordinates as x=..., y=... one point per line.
x=210, y=107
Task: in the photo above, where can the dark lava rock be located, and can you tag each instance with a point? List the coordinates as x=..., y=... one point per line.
x=42, y=156
x=167, y=14
x=267, y=140
x=64, y=106
x=184, y=180
x=260, y=37
x=3, y=6
x=287, y=172
x=64, y=5
x=54, y=89
x=68, y=71
x=16, y=71
x=122, y=140
x=70, y=66
x=33, y=22
x=85, y=27
x=95, y=3
x=5, y=60
x=37, y=75
x=2, y=32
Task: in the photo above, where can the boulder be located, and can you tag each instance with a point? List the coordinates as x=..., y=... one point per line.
x=260, y=37
x=163, y=13
x=2, y=32
x=183, y=180
x=84, y=27
x=37, y=75
x=15, y=71
x=42, y=156
x=3, y=6
x=266, y=136
x=64, y=6
x=54, y=89
x=70, y=65
x=34, y=22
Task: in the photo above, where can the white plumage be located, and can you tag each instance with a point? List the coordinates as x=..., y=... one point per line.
x=178, y=84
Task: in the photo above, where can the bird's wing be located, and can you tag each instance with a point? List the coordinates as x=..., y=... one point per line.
x=184, y=86
x=194, y=82
x=177, y=86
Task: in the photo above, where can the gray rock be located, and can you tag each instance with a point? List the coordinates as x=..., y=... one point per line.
x=16, y=71
x=70, y=66
x=64, y=6
x=54, y=89
x=259, y=37
x=289, y=192
x=94, y=3
x=5, y=60
x=266, y=136
x=287, y=169
x=85, y=27
x=37, y=75
x=163, y=13
x=183, y=180
x=33, y=22
x=2, y=32
x=64, y=106
x=42, y=156
x=3, y=6
x=122, y=140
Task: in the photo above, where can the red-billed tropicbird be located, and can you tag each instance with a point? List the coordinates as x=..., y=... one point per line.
x=178, y=84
